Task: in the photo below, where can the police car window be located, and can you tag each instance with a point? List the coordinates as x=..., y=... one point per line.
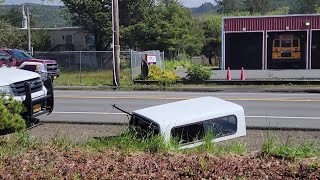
x=4, y=56
x=219, y=127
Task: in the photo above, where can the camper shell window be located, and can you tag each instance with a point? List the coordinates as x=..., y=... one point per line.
x=219, y=127
x=143, y=127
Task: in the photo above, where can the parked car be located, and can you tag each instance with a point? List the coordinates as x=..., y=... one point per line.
x=37, y=67
x=28, y=88
x=16, y=57
x=189, y=121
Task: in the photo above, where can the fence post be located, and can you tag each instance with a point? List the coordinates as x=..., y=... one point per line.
x=131, y=64
x=80, y=65
x=163, y=62
x=101, y=59
x=69, y=62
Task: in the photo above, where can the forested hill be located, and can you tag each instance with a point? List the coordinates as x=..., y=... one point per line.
x=42, y=15
x=241, y=5
x=57, y=16
x=205, y=8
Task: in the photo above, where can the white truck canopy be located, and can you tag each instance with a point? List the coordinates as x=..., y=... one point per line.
x=192, y=111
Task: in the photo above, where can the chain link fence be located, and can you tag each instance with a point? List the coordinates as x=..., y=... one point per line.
x=85, y=67
x=96, y=67
x=79, y=60
x=138, y=57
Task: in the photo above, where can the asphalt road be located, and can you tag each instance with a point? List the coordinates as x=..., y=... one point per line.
x=263, y=110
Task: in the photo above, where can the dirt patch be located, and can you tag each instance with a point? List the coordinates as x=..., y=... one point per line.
x=75, y=132
x=50, y=162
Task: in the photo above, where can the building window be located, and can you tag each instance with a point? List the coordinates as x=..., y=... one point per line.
x=89, y=40
x=69, y=39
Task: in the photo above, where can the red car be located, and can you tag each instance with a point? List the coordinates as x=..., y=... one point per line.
x=15, y=57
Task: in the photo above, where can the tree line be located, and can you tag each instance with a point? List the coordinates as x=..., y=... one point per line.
x=166, y=25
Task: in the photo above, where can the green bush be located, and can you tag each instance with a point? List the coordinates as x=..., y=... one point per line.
x=172, y=65
x=166, y=77
x=155, y=73
x=10, y=115
x=198, y=73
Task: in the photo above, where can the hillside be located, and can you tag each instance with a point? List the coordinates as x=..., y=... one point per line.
x=42, y=15
x=205, y=8
x=55, y=16
x=209, y=8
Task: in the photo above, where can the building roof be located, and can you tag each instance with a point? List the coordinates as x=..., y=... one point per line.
x=268, y=16
x=189, y=111
x=56, y=28
x=271, y=23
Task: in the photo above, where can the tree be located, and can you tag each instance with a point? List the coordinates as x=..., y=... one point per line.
x=173, y=30
x=13, y=17
x=228, y=6
x=12, y=37
x=145, y=25
x=40, y=40
x=95, y=17
x=212, y=47
x=134, y=17
x=304, y=6
x=257, y=6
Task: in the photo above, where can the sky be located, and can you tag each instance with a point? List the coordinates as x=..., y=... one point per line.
x=187, y=3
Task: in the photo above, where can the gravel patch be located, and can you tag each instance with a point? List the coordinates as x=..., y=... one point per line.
x=75, y=132
x=80, y=133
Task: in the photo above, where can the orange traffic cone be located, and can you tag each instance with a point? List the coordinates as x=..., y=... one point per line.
x=243, y=77
x=228, y=74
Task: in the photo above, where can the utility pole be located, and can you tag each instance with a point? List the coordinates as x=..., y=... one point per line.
x=29, y=31
x=116, y=43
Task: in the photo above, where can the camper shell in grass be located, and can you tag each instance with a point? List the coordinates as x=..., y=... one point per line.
x=188, y=121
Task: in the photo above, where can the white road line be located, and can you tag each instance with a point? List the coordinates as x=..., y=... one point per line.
x=92, y=113
x=282, y=117
x=259, y=117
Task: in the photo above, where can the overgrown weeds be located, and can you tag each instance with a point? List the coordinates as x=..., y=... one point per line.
x=289, y=149
x=16, y=143
x=93, y=78
x=129, y=143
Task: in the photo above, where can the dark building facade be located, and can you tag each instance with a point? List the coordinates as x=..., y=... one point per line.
x=271, y=42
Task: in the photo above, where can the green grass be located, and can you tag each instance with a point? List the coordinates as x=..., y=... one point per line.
x=93, y=78
x=289, y=149
x=171, y=65
x=128, y=143
x=16, y=143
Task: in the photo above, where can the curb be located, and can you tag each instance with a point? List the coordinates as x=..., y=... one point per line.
x=192, y=89
x=245, y=82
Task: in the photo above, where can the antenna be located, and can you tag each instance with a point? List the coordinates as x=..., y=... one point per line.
x=114, y=106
